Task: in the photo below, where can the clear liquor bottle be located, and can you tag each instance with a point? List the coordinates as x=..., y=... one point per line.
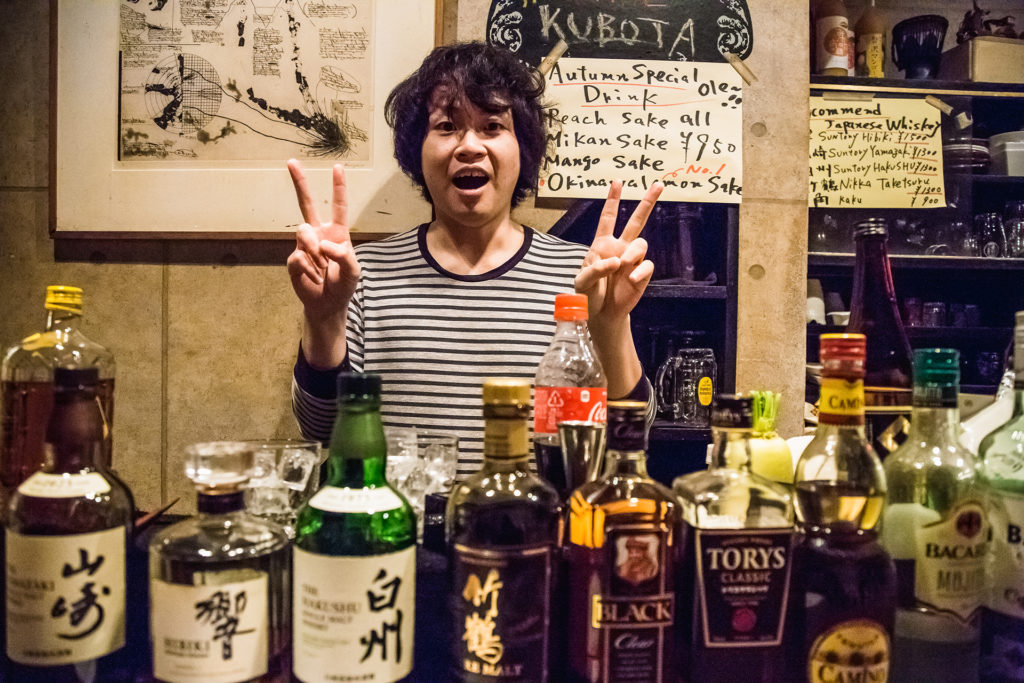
x=26, y=384
x=67, y=527
x=738, y=565
x=359, y=527
x=847, y=581
x=622, y=555
x=1002, y=468
x=220, y=606
x=504, y=529
x=935, y=526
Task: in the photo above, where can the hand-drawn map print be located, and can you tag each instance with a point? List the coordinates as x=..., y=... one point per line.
x=246, y=80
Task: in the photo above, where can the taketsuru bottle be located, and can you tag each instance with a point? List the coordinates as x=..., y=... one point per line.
x=1002, y=467
x=67, y=527
x=846, y=581
x=735, y=587
x=504, y=528
x=220, y=607
x=622, y=553
x=355, y=554
x=935, y=526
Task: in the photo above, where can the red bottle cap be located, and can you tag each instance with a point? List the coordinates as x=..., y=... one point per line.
x=570, y=307
x=843, y=347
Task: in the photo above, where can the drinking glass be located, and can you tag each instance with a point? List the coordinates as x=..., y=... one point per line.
x=286, y=472
x=933, y=314
x=1014, y=226
x=991, y=235
x=685, y=386
x=421, y=462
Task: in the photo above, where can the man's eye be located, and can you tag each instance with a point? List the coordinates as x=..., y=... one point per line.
x=495, y=126
x=445, y=126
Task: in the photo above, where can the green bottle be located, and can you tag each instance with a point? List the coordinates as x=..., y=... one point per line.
x=355, y=555
x=935, y=526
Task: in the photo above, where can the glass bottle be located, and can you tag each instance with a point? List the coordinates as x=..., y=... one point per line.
x=504, y=529
x=847, y=581
x=1013, y=226
x=26, y=384
x=1002, y=468
x=67, y=529
x=935, y=526
x=870, y=31
x=622, y=556
x=359, y=527
x=832, y=40
x=875, y=313
x=218, y=582
x=738, y=558
x=570, y=385
x=991, y=234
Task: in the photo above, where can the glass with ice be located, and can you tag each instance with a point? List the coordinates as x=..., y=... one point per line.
x=421, y=462
x=285, y=473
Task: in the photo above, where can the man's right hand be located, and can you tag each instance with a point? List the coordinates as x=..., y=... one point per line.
x=323, y=269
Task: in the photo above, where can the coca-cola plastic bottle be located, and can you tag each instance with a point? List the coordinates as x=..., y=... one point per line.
x=570, y=386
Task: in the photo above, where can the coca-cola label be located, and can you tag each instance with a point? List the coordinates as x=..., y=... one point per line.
x=743, y=576
x=552, y=405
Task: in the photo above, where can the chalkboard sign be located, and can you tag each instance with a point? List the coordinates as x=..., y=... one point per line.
x=679, y=30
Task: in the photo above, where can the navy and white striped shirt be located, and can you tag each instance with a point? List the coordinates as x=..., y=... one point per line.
x=434, y=336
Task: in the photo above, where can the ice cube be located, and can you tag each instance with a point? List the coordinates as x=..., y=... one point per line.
x=267, y=500
x=263, y=465
x=294, y=467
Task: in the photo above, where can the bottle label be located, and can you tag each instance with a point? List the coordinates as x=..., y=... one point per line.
x=705, y=391
x=43, y=485
x=949, y=565
x=1006, y=594
x=500, y=633
x=833, y=43
x=856, y=650
x=366, y=500
x=631, y=607
x=841, y=402
x=871, y=55
x=743, y=576
x=65, y=596
x=364, y=620
x=214, y=633
x=552, y=405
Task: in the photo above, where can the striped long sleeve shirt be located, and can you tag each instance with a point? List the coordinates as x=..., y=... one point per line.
x=434, y=336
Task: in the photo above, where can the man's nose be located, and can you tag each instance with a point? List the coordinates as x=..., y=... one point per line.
x=470, y=144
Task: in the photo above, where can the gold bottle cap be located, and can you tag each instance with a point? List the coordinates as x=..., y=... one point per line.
x=506, y=391
x=63, y=298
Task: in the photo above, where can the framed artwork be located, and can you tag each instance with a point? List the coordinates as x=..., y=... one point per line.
x=174, y=118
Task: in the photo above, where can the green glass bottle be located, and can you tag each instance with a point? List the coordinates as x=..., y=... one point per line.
x=1002, y=468
x=935, y=526
x=355, y=555
x=504, y=529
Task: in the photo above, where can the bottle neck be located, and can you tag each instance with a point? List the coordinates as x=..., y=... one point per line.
x=842, y=401
x=220, y=503
x=506, y=443
x=358, y=450
x=939, y=426
x=74, y=433
x=731, y=449
x=62, y=320
x=1018, y=396
x=625, y=463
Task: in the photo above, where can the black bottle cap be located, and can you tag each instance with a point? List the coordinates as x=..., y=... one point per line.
x=358, y=385
x=871, y=226
x=75, y=378
x=732, y=411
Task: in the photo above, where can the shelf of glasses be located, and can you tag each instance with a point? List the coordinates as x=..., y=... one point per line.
x=830, y=259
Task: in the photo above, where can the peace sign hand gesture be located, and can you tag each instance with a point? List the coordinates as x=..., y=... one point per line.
x=323, y=269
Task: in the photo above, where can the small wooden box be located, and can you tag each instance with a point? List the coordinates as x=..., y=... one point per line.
x=988, y=59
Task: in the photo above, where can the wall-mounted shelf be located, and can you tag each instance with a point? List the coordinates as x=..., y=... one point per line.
x=898, y=261
x=900, y=86
x=666, y=289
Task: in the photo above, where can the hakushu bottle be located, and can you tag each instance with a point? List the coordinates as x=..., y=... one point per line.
x=622, y=555
x=67, y=528
x=875, y=314
x=935, y=526
x=504, y=529
x=847, y=582
x=219, y=602
x=26, y=384
x=355, y=555
x=737, y=572
x=1002, y=468
x=570, y=385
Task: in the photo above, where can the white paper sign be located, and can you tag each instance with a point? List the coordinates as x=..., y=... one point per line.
x=642, y=121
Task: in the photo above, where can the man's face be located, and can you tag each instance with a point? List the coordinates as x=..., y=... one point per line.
x=470, y=162
x=635, y=553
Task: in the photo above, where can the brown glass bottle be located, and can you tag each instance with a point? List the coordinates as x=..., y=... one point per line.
x=888, y=371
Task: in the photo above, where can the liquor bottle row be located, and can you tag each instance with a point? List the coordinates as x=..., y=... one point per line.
x=908, y=572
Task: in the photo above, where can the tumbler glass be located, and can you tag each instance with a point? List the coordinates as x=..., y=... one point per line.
x=1014, y=226
x=991, y=236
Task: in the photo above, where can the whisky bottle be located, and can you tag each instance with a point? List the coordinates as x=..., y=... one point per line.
x=360, y=529
x=26, y=384
x=846, y=580
x=622, y=555
x=1002, y=469
x=935, y=526
x=504, y=530
x=218, y=582
x=67, y=527
x=738, y=558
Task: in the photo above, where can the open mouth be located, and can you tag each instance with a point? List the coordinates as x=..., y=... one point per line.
x=469, y=181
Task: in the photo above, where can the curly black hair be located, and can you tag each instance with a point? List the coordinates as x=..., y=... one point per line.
x=489, y=77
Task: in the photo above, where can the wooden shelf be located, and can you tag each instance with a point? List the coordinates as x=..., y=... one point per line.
x=900, y=86
x=666, y=430
x=830, y=259
x=667, y=289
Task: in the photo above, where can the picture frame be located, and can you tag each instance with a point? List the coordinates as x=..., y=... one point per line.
x=102, y=185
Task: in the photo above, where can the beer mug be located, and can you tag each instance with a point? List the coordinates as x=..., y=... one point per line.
x=685, y=385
